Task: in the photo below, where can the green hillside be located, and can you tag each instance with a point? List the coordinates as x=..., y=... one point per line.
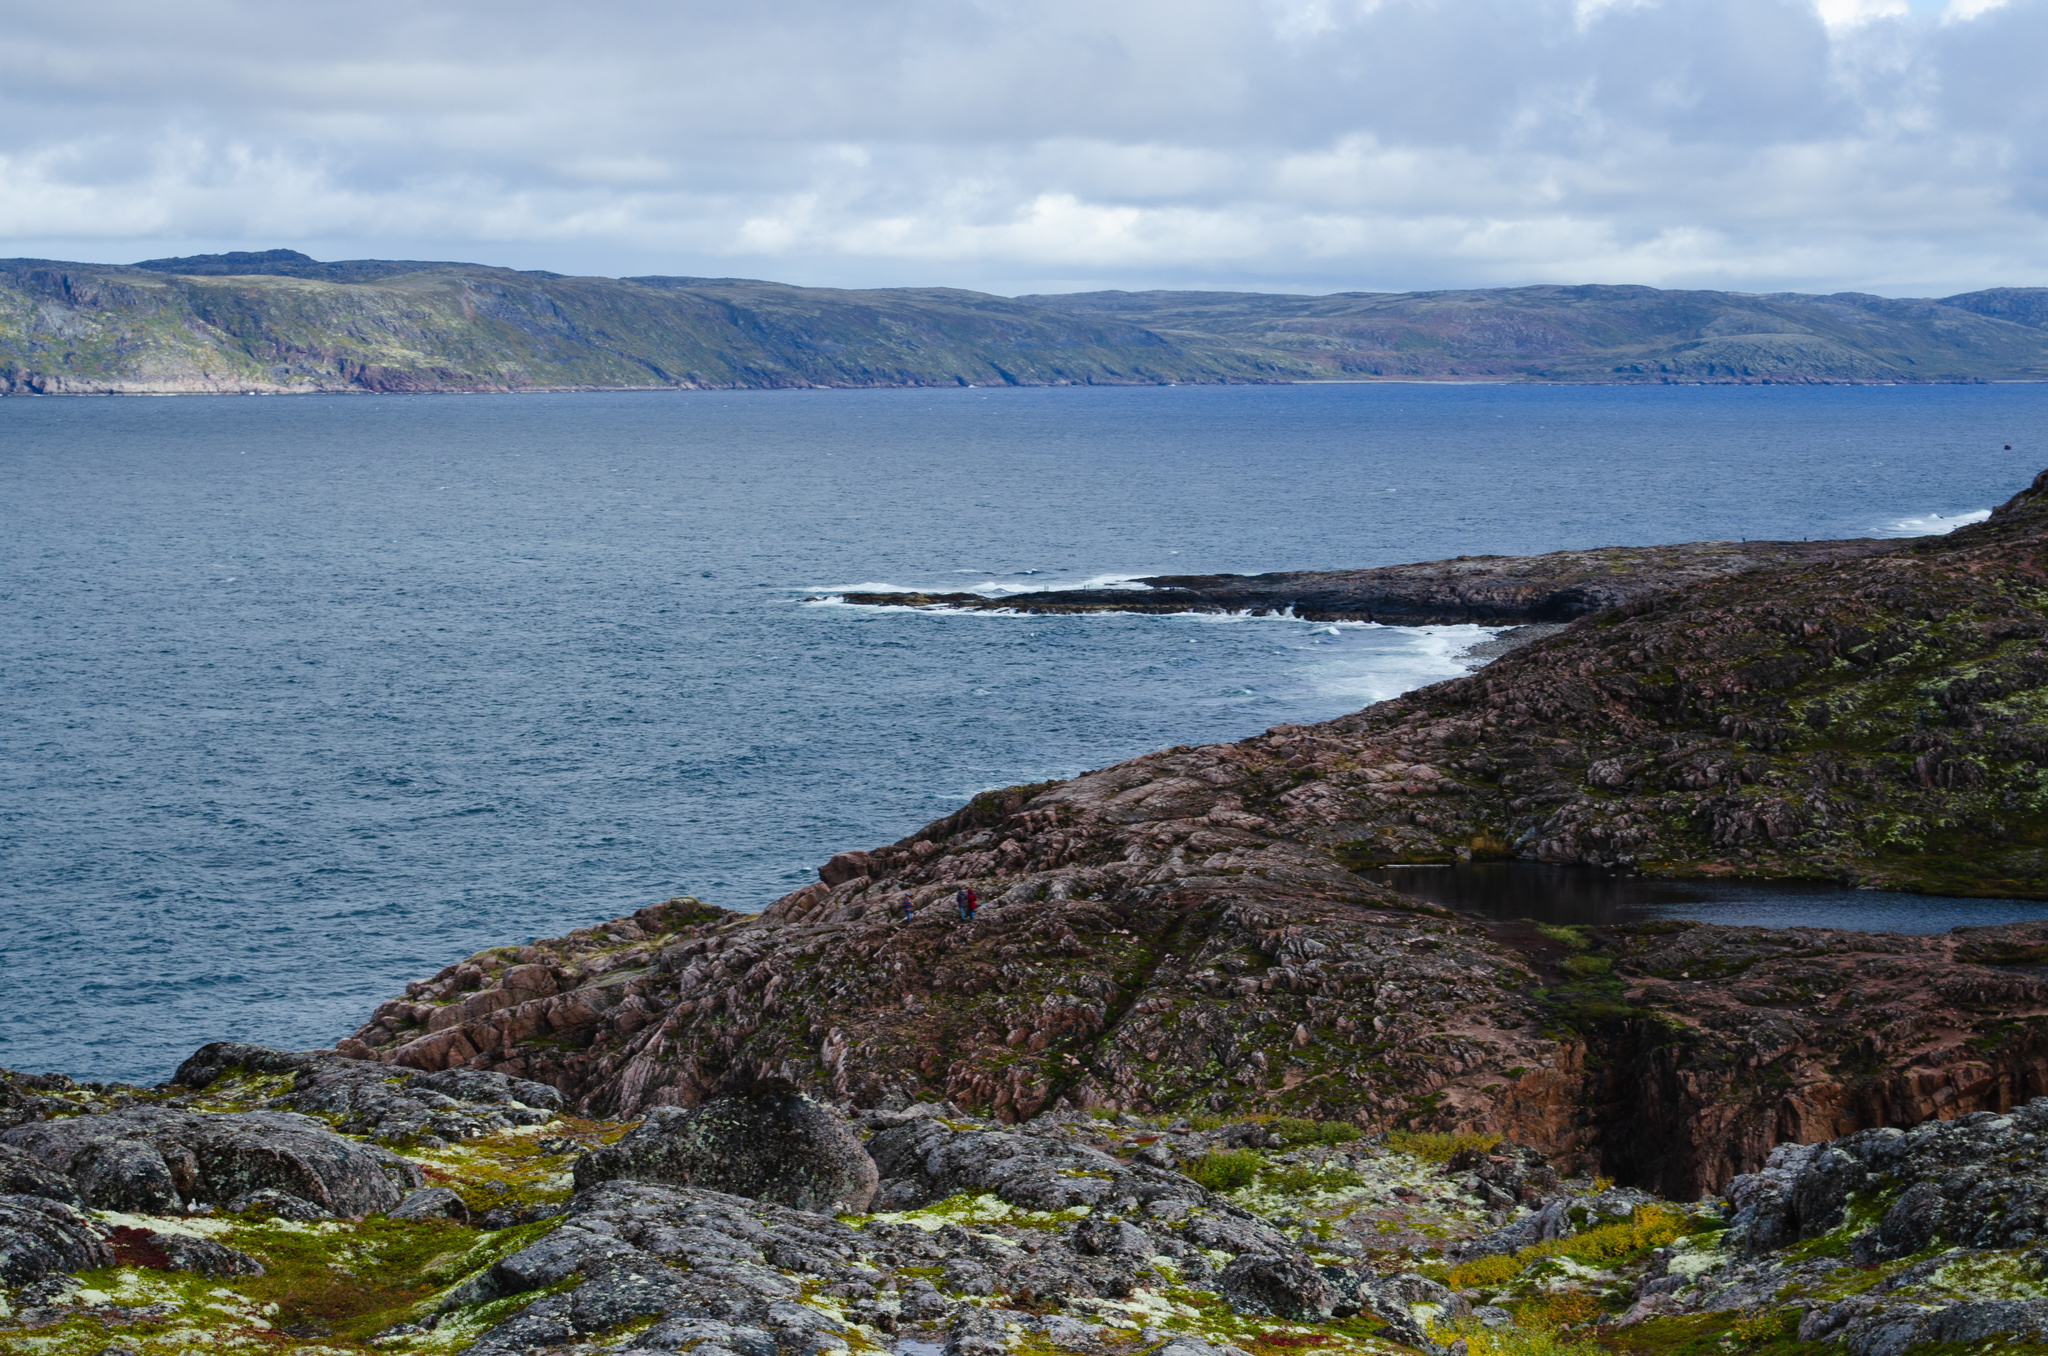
x=1610, y=334
x=279, y=321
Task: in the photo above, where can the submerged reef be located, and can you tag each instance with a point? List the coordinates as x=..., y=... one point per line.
x=1191, y=1083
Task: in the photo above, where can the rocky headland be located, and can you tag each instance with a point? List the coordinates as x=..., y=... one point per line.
x=1192, y=1083
x=1558, y=587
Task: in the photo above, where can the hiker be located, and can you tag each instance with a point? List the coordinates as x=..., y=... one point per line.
x=973, y=903
x=906, y=908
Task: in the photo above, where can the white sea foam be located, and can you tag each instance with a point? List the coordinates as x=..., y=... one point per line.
x=996, y=588
x=1933, y=524
x=1390, y=660
x=992, y=588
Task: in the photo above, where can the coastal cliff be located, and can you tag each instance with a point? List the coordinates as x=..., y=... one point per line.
x=278, y=322
x=1190, y=929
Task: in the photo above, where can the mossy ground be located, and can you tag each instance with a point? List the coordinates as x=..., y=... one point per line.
x=329, y=1285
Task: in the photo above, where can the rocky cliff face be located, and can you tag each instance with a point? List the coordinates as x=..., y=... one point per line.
x=1190, y=929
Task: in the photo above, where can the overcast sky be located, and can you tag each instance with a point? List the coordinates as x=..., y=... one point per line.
x=1887, y=146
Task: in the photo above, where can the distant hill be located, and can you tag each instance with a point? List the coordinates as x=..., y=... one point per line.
x=277, y=320
x=1609, y=334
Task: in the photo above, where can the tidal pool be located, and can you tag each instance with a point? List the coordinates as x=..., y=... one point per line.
x=1578, y=894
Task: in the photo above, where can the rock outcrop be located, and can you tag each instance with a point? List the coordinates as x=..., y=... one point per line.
x=393, y=1106
x=1071, y=1233
x=1491, y=590
x=40, y=1237
x=773, y=1145
x=1949, y=1216
x=159, y=1160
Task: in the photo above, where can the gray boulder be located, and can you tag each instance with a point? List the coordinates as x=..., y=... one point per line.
x=1287, y=1287
x=432, y=1203
x=40, y=1237
x=22, y=1097
x=1037, y=1172
x=1980, y=1321
x=154, y=1160
x=779, y=1147
x=1966, y=1181
x=22, y=1175
x=707, y=1335
x=1107, y=1236
x=1910, y=1223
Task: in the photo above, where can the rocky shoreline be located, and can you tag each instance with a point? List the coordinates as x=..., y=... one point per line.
x=1492, y=590
x=1191, y=1083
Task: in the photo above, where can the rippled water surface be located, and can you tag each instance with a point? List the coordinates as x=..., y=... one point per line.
x=307, y=697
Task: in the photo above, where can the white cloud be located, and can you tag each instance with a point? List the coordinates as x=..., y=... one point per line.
x=1280, y=143
x=1849, y=13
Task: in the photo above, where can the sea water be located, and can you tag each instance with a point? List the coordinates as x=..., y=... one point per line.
x=306, y=697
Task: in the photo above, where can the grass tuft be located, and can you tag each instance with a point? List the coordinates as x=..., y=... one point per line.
x=1651, y=1226
x=1437, y=1148
x=1481, y=1340
x=1224, y=1171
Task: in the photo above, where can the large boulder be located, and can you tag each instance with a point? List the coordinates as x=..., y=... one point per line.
x=40, y=1237
x=22, y=1099
x=779, y=1147
x=1284, y=1286
x=22, y=1175
x=155, y=1160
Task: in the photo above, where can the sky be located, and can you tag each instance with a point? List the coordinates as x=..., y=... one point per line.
x=1890, y=146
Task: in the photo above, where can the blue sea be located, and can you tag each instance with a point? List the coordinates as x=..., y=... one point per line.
x=306, y=697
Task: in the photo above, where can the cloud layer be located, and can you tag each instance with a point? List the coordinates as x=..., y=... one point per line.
x=1291, y=144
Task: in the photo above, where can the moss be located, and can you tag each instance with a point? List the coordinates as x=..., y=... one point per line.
x=1603, y=1245
x=1518, y=1340
x=1437, y=1148
x=967, y=1208
x=242, y=1089
x=1572, y=938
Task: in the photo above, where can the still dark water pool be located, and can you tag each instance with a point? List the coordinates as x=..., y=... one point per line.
x=304, y=698
x=1571, y=894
